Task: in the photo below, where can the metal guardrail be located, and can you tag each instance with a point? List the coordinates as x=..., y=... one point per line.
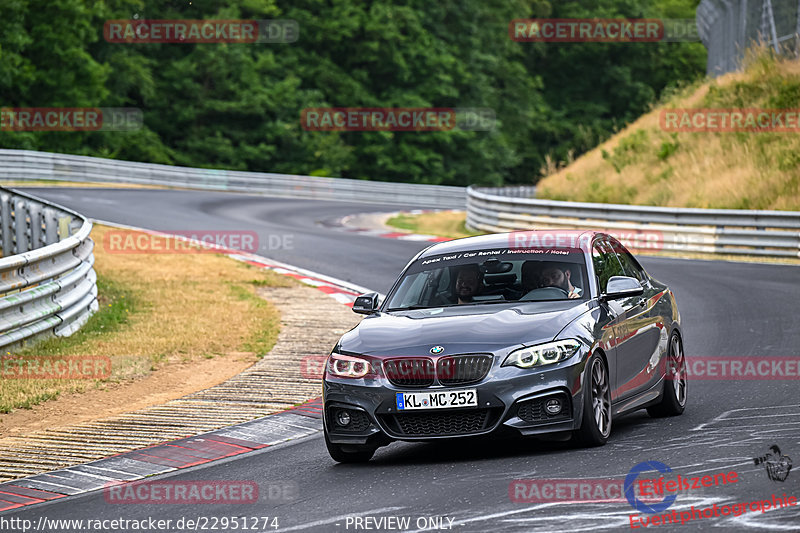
x=728, y=231
x=728, y=27
x=31, y=165
x=47, y=281
x=723, y=231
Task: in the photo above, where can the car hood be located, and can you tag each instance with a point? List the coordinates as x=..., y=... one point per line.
x=460, y=330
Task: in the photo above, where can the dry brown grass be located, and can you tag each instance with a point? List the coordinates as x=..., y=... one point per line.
x=160, y=309
x=647, y=166
x=190, y=301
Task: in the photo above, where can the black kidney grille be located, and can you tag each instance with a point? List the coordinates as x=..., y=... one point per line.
x=460, y=369
x=445, y=423
x=410, y=371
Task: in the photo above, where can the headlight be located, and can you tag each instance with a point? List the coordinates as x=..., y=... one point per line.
x=347, y=366
x=543, y=354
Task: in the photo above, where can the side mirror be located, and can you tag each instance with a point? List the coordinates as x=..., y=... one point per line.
x=620, y=287
x=366, y=304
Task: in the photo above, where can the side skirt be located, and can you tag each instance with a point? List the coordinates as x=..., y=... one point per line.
x=644, y=399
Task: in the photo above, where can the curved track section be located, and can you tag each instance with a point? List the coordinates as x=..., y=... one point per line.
x=728, y=309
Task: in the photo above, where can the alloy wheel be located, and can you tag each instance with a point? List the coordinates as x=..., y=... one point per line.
x=678, y=368
x=601, y=404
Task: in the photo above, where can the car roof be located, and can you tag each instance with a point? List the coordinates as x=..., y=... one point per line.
x=516, y=239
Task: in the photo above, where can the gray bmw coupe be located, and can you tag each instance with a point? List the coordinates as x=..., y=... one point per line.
x=542, y=333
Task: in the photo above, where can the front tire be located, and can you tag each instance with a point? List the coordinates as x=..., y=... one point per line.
x=349, y=453
x=676, y=385
x=596, y=425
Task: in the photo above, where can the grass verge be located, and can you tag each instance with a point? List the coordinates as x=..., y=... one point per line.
x=646, y=165
x=449, y=224
x=158, y=309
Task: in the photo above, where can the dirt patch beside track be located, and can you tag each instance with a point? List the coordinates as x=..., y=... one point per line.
x=311, y=322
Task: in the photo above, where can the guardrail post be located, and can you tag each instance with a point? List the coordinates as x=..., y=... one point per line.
x=35, y=214
x=50, y=226
x=6, y=226
x=21, y=226
x=64, y=226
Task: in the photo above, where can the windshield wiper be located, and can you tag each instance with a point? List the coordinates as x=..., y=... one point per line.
x=417, y=307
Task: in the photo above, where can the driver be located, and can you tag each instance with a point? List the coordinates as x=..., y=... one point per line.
x=557, y=276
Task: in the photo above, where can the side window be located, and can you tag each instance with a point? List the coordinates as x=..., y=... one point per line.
x=629, y=264
x=606, y=264
x=599, y=260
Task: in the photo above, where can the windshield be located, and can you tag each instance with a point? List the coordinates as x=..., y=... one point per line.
x=491, y=277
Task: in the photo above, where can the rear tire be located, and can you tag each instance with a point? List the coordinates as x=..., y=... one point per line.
x=349, y=453
x=676, y=385
x=596, y=425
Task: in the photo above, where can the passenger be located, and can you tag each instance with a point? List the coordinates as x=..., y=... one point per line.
x=468, y=283
x=531, y=276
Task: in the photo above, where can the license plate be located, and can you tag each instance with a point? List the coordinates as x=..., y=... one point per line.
x=407, y=401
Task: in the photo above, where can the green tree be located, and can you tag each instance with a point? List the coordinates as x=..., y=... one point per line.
x=238, y=106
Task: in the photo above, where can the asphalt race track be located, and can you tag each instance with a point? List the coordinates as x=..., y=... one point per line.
x=728, y=309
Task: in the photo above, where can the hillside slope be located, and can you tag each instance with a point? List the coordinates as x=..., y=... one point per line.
x=647, y=165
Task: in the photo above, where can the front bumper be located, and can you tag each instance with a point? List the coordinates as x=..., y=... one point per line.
x=509, y=398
